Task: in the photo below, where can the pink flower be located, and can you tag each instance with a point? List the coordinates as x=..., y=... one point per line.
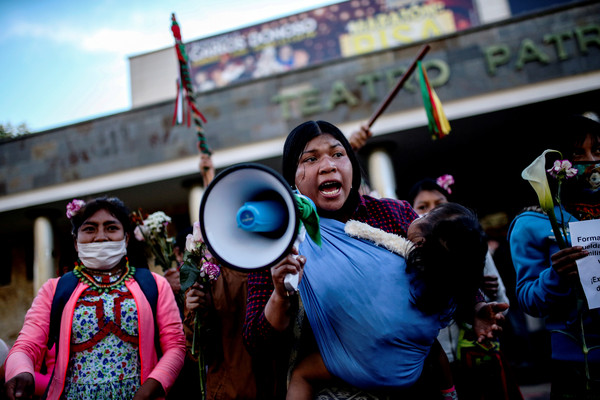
x=210, y=270
x=190, y=244
x=562, y=167
x=197, y=233
x=194, y=239
x=445, y=181
x=73, y=207
x=137, y=232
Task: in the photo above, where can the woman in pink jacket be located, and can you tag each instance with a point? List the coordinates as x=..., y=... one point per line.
x=107, y=346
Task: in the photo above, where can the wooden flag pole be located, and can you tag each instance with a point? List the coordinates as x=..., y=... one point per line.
x=398, y=86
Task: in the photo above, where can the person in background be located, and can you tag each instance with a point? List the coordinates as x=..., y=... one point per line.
x=189, y=375
x=475, y=368
x=108, y=345
x=427, y=194
x=221, y=306
x=548, y=283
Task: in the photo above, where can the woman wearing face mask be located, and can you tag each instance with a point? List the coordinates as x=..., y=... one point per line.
x=547, y=277
x=319, y=162
x=107, y=346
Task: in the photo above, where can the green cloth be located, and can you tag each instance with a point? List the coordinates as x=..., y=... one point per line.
x=309, y=217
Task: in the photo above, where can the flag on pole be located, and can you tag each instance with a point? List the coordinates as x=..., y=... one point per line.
x=438, y=123
x=185, y=92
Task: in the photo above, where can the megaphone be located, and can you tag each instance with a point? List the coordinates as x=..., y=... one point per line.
x=248, y=217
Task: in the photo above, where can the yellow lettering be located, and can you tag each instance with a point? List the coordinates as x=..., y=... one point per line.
x=384, y=42
x=430, y=29
x=397, y=33
x=363, y=43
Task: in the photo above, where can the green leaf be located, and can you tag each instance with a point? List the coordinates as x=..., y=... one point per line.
x=188, y=274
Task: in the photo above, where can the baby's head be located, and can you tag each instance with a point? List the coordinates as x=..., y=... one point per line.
x=446, y=264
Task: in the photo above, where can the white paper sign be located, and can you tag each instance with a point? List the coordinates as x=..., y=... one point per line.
x=587, y=235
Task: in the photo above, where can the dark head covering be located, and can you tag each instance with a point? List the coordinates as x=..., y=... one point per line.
x=295, y=144
x=425, y=184
x=573, y=130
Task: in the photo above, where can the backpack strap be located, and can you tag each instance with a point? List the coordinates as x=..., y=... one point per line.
x=65, y=287
x=144, y=278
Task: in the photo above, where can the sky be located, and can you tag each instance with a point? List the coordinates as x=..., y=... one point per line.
x=66, y=61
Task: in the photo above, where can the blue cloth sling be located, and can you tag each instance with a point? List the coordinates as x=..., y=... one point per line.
x=357, y=300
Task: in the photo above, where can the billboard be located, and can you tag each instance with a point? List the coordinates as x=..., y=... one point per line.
x=339, y=30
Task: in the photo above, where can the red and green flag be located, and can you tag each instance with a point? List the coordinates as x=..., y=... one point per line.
x=185, y=104
x=438, y=123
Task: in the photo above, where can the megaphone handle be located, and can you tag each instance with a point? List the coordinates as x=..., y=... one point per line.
x=291, y=280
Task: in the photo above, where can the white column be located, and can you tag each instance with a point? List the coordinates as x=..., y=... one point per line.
x=381, y=174
x=44, y=267
x=194, y=198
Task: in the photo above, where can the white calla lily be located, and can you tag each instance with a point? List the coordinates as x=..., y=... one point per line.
x=535, y=174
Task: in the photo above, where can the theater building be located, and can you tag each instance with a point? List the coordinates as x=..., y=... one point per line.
x=505, y=72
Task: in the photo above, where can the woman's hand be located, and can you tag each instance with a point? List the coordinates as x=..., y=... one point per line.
x=488, y=320
x=151, y=389
x=198, y=298
x=277, y=308
x=563, y=261
x=359, y=138
x=20, y=387
x=291, y=264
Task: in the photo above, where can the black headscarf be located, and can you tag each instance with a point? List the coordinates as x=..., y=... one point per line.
x=294, y=146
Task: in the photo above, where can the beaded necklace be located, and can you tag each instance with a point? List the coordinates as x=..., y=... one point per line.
x=84, y=274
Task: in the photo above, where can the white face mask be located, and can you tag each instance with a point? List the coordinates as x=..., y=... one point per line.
x=101, y=255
